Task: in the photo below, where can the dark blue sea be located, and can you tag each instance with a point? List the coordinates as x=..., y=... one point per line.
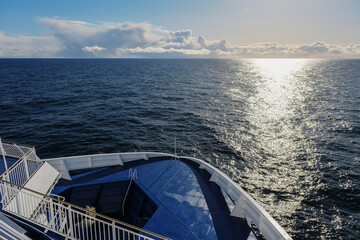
x=286, y=130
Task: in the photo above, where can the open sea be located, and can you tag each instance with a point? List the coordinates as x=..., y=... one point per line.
x=286, y=130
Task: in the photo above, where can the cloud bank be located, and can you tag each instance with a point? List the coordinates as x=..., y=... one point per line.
x=28, y=46
x=70, y=38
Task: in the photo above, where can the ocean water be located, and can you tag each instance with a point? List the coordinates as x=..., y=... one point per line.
x=286, y=130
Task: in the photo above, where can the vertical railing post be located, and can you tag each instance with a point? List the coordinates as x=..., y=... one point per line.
x=52, y=217
x=4, y=194
x=26, y=168
x=17, y=201
x=113, y=230
x=3, y=155
x=71, y=228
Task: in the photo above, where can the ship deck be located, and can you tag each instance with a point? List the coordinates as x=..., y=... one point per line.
x=188, y=205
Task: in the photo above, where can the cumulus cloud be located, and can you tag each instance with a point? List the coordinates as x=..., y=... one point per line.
x=93, y=49
x=315, y=48
x=75, y=36
x=184, y=43
x=70, y=38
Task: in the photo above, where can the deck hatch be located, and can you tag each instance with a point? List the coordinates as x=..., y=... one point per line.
x=107, y=198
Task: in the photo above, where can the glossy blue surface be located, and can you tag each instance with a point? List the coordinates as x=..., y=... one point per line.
x=182, y=209
x=178, y=190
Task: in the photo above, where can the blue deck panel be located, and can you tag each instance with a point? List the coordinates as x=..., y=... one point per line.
x=227, y=226
x=184, y=199
x=165, y=181
x=91, y=177
x=188, y=204
x=165, y=224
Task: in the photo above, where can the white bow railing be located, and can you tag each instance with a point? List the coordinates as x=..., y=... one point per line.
x=66, y=219
x=22, y=170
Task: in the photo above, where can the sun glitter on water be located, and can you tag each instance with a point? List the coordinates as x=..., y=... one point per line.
x=275, y=103
x=279, y=88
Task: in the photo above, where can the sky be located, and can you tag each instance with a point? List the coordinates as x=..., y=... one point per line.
x=186, y=28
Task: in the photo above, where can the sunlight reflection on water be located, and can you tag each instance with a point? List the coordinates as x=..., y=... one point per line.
x=275, y=142
x=278, y=87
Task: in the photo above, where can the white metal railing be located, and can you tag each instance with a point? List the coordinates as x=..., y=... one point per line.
x=66, y=164
x=64, y=218
x=22, y=170
x=14, y=150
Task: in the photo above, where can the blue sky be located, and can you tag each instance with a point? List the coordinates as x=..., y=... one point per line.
x=197, y=28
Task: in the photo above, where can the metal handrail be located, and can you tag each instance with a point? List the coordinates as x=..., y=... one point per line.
x=79, y=211
x=15, y=150
x=12, y=166
x=22, y=144
x=23, y=169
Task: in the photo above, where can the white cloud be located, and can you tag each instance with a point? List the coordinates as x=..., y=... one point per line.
x=75, y=36
x=314, y=48
x=311, y=50
x=28, y=46
x=106, y=39
x=93, y=49
x=157, y=50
